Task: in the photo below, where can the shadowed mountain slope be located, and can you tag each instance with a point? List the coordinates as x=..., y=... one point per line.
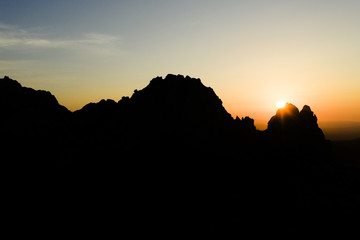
x=171, y=156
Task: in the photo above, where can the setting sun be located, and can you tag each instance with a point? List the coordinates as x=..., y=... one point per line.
x=280, y=104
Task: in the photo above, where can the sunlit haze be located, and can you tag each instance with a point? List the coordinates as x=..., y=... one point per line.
x=280, y=104
x=250, y=52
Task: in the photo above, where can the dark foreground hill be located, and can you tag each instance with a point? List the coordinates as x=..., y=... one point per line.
x=171, y=162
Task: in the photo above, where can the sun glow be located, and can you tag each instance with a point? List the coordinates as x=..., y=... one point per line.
x=280, y=104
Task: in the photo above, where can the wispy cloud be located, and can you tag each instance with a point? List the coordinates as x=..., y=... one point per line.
x=13, y=36
x=6, y=26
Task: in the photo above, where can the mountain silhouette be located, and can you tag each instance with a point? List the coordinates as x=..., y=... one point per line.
x=291, y=125
x=24, y=109
x=168, y=114
x=171, y=103
x=15, y=99
x=172, y=156
x=31, y=124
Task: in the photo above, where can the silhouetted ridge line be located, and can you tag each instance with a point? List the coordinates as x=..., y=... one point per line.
x=171, y=154
x=182, y=98
x=178, y=108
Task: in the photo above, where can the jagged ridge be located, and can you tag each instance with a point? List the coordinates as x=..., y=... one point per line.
x=172, y=148
x=179, y=103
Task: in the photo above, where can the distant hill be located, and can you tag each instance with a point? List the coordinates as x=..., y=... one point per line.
x=347, y=152
x=341, y=130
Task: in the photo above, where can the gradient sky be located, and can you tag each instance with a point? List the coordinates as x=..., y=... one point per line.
x=252, y=53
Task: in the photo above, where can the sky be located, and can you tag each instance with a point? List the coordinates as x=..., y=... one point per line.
x=251, y=52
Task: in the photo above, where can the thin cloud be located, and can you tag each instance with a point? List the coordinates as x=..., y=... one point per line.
x=6, y=26
x=12, y=36
x=95, y=38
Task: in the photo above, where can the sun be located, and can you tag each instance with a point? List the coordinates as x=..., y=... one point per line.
x=280, y=104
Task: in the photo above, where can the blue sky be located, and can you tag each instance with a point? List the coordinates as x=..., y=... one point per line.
x=252, y=53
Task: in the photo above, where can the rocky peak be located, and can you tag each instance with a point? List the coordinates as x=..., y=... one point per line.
x=286, y=118
x=180, y=97
x=290, y=123
x=307, y=117
x=7, y=83
x=246, y=123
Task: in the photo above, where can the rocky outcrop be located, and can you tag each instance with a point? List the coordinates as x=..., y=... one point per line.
x=290, y=125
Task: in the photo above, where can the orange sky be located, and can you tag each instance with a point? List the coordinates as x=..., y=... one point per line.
x=252, y=53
